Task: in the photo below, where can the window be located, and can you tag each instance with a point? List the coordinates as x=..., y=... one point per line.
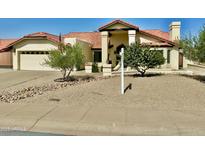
x=168, y=56
x=97, y=56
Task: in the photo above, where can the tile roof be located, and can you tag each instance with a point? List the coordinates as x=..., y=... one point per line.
x=95, y=37
x=91, y=37
x=50, y=37
x=5, y=42
x=158, y=33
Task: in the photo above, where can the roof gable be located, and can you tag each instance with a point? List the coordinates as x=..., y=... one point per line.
x=38, y=35
x=117, y=25
x=51, y=37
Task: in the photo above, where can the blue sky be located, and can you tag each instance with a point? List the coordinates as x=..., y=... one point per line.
x=18, y=27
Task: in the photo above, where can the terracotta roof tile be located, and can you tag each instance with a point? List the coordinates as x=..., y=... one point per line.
x=5, y=42
x=158, y=33
x=95, y=37
x=51, y=37
x=92, y=37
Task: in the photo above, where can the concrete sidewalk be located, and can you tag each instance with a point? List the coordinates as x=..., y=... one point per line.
x=100, y=120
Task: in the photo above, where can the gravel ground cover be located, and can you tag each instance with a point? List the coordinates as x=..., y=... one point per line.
x=31, y=91
x=160, y=92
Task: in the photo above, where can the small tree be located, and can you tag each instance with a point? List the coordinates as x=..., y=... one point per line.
x=201, y=45
x=142, y=57
x=189, y=45
x=65, y=58
x=194, y=46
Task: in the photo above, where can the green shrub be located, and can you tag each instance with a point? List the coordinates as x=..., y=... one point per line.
x=141, y=57
x=65, y=58
x=95, y=68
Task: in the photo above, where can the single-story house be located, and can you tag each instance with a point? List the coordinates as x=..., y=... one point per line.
x=102, y=47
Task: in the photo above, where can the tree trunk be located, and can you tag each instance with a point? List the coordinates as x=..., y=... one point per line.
x=141, y=71
x=68, y=73
x=142, y=74
x=64, y=73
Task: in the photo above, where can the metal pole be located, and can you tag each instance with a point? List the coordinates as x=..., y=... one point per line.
x=122, y=70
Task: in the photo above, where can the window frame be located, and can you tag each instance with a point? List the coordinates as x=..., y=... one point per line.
x=100, y=57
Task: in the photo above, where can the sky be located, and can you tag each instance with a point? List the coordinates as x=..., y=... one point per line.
x=18, y=27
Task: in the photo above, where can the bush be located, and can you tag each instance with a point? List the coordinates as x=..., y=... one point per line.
x=141, y=57
x=95, y=68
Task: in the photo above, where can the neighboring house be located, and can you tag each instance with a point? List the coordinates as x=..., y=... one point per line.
x=103, y=47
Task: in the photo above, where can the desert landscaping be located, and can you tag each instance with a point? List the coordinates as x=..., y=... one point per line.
x=155, y=105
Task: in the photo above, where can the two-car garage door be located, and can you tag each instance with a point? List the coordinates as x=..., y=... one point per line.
x=33, y=60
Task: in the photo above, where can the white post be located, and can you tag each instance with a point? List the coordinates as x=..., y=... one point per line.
x=122, y=70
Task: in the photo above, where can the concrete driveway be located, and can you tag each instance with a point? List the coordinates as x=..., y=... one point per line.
x=11, y=80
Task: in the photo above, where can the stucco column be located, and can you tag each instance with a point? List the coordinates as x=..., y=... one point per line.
x=165, y=56
x=15, y=59
x=174, y=59
x=104, y=41
x=132, y=36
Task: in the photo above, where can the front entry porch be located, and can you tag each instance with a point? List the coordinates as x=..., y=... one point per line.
x=112, y=42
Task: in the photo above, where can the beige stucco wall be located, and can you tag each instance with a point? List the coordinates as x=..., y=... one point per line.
x=86, y=50
x=132, y=36
x=30, y=45
x=71, y=41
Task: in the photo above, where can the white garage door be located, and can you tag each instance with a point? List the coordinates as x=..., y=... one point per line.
x=33, y=61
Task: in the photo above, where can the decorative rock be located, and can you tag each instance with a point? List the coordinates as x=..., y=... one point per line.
x=11, y=97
